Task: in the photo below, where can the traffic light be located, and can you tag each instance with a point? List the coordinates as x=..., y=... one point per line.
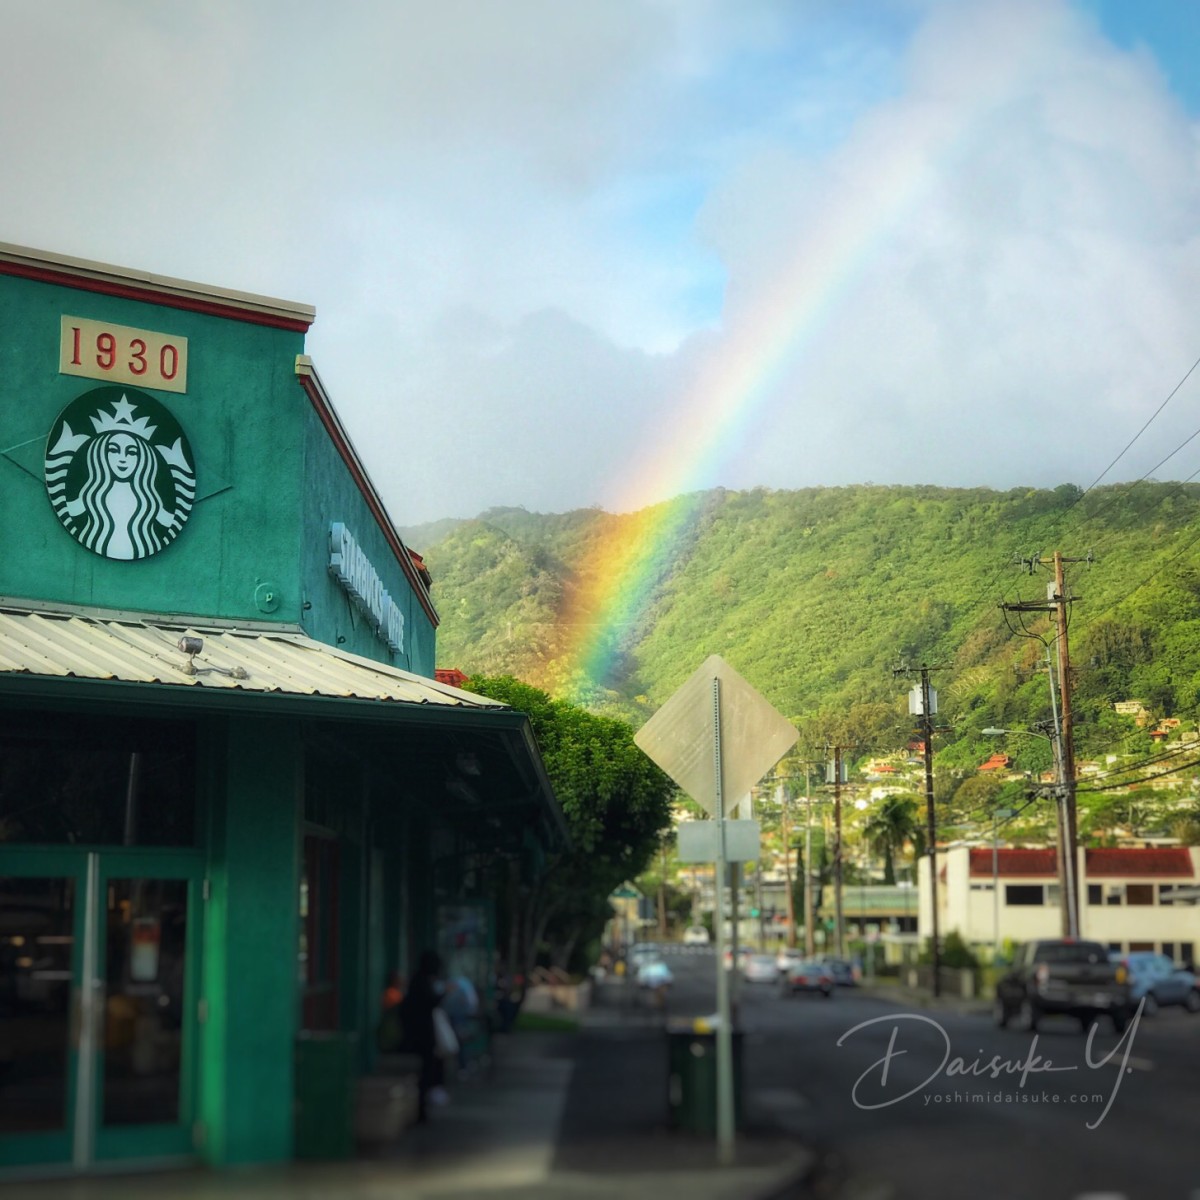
x=754, y=912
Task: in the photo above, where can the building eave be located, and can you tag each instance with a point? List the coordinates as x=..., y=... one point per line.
x=84, y=275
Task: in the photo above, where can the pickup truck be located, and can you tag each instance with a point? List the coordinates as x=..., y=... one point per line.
x=1067, y=977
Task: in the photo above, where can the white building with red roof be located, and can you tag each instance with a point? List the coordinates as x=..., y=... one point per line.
x=1144, y=898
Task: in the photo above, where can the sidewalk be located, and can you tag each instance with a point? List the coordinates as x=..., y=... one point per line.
x=560, y=1116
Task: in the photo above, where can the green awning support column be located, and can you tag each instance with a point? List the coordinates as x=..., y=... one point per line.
x=250, y=996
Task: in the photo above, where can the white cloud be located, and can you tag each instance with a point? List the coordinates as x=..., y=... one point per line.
x=536, y=232
x=1023, y=313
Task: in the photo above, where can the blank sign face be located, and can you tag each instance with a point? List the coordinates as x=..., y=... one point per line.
x=681, y=736
x=698, y=841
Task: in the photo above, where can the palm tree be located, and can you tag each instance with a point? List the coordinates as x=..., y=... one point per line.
x=896, y=821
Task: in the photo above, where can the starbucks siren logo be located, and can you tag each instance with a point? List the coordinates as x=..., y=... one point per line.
x=120, y=473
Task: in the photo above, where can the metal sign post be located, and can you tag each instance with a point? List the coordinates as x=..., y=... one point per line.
x=716, y=737
x=725, y=1139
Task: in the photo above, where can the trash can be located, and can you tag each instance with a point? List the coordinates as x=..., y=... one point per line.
x=325, y=1095
x=692, y=1077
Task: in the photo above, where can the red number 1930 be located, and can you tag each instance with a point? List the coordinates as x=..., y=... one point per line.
x=108, y=353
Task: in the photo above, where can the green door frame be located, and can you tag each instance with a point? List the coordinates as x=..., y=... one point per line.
x=85, y=1142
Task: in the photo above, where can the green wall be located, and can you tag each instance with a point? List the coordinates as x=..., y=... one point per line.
x=251, y=945
x=268, y=482
x=331, y=617
x=243, y=414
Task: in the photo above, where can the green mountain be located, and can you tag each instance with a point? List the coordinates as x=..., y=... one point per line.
x=817, y=595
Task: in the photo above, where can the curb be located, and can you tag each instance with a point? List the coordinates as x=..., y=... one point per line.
x=979, y=1006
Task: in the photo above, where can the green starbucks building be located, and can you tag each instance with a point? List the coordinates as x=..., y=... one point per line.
x=233, y=796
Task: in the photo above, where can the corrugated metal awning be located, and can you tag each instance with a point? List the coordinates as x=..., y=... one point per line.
x=130, y=648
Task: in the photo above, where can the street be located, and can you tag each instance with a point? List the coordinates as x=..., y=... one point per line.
x=936, y=1103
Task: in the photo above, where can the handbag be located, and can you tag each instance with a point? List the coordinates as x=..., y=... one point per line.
x=444, y=1039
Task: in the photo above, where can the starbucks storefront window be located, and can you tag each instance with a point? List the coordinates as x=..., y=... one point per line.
x=70, y=779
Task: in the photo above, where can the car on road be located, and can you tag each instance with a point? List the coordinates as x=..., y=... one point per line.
x=1156, y=982
x=760, y=968
x=695, y=935
x=843, y=971
x=1063, y=976
x=807, y=975
x=654, y=973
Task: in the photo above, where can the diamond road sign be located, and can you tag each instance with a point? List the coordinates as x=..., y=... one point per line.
x=681, y=736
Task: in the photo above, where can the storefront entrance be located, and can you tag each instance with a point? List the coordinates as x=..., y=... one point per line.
x=99, y=972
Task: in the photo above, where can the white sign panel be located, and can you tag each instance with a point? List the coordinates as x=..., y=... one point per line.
x=698, y=841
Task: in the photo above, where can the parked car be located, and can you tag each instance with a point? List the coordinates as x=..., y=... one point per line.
x=786, y=957
x=695, y=935
x=1156, y=981
x=843, y=971
x=1063, y=976
x=760, y=968
x=807, y=975
x=654, y=973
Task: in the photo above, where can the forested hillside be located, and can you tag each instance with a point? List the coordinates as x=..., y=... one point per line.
x=816, y=595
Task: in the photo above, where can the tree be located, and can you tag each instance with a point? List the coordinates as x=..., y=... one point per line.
x=896, y=821
x=617, y=804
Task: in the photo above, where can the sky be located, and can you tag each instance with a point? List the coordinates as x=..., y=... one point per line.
x=600, y=254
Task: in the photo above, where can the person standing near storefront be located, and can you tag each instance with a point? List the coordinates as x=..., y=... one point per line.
x=416, y=1019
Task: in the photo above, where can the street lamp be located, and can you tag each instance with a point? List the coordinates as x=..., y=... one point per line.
x=1067, y=875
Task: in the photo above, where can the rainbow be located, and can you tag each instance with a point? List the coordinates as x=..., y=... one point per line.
x=620, y=575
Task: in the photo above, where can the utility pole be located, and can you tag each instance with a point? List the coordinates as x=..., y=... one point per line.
x=922, y=702
x=1056, y=603
x=836, y=769
x=809, y=943
x=1067, y=743
x=786, y=831
x=839, y=925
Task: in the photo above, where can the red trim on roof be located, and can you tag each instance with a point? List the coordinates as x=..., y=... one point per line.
x=451, y=675
x=1020, y=863
x=995, y=763
x=150, y=295
x=1169, y=861
x=1174, y=862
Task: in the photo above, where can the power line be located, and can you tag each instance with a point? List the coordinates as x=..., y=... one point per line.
x=1129, y=445
x=1131, y=783
x=1133, y=591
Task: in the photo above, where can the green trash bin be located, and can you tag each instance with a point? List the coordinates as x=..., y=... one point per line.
x=325, y=1090
x=692, y=1078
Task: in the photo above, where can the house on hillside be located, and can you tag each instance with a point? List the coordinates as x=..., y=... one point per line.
x=998, y=762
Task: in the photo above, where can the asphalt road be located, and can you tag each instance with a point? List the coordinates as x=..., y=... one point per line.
x=925, y=1104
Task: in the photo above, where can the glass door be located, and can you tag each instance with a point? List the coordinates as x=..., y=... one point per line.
x=147, y=928
x=98, y=1023
x=42, y=914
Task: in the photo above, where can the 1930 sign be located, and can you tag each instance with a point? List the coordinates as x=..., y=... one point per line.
x=120, y=354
